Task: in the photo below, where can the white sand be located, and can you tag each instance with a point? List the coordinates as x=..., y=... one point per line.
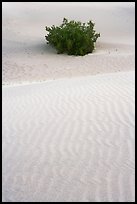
x=27, y=57
x=71, y=139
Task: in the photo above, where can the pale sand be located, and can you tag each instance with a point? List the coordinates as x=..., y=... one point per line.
x=71, y=139
x=27, y=57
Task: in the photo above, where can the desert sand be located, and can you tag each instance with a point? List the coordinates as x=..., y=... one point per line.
x=68, y=123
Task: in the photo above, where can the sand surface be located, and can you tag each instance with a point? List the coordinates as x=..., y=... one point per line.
x=27, y=57
x=68, y=123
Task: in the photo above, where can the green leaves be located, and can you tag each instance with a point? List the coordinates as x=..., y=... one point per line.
x=73, y=38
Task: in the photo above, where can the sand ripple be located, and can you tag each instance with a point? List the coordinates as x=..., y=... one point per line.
x=70, y=140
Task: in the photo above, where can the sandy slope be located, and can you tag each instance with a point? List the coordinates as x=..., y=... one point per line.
x=69, y=139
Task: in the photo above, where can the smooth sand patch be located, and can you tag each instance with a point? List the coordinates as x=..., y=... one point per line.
x=27, y=57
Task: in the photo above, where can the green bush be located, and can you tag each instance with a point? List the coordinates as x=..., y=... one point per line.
x=73, y=38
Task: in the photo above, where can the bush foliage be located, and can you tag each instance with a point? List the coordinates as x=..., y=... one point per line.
x=73, y=38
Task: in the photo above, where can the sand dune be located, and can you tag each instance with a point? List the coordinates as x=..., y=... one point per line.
x=68, y=123
x=27, y=57
x=70, y=140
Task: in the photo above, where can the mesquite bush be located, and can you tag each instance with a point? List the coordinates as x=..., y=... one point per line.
x=73, y=38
